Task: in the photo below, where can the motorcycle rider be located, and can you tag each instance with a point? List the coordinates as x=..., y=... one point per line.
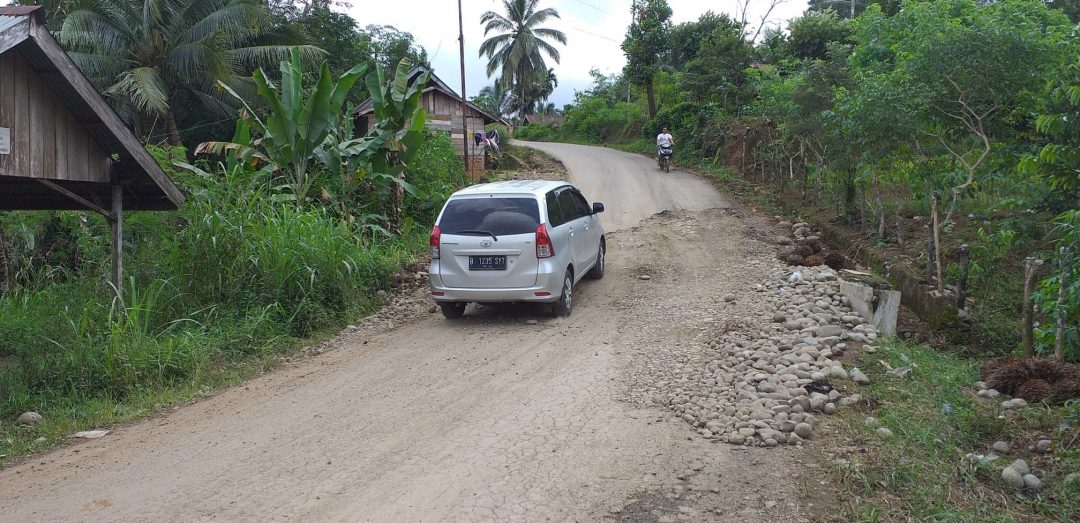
x=663, y=139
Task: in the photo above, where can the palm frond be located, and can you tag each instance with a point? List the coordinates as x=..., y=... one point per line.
x=95, y=30
x=495, y=22
x=238, y=21
x=549, y=49
x=554, y=34
x=145, y=88
x=218, y=102
x=489, y=46
x=98, y=68
x=540, y=17
x=260, y=55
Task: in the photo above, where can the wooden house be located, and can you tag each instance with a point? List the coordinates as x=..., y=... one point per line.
x=61, y=146
x=443, y=107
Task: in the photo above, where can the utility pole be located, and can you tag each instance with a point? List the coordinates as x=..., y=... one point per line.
x=464, y=104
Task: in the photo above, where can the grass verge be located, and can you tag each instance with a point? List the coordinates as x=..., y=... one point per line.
x=920, y=472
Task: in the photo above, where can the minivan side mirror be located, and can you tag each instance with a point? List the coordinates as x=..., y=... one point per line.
x=597, y=208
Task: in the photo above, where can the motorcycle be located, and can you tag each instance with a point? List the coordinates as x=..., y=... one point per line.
x=665, y=158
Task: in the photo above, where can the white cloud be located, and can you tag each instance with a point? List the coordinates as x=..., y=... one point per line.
x=594, y=30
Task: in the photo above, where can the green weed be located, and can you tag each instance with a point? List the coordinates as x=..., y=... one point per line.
x=936, y=420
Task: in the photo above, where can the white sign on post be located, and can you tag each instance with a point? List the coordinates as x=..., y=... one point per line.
x=5, y=140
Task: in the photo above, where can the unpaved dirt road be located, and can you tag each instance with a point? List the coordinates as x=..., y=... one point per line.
x=486, y=418
x=630, y=185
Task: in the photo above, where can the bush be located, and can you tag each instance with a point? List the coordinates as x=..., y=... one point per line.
x=221, y=280
x=537, y=133
x=594, y=120
x=437, y=171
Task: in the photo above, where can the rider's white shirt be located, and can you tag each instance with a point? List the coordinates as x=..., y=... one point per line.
x=663, y=140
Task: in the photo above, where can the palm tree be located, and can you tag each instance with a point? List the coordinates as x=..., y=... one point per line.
x=494, y=99
x=144, y=53
x=520, y=45
x=542, y=87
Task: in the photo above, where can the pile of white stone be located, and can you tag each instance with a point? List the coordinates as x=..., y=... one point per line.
x=769, y=386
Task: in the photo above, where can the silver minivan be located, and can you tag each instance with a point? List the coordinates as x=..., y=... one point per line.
x=515, y=241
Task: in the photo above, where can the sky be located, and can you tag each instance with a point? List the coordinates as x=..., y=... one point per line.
x=594, y=30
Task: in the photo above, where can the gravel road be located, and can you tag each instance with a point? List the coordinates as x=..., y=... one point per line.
x=630, y=185
x=487, y=418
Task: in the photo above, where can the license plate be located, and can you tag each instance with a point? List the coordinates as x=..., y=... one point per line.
x=487, y=263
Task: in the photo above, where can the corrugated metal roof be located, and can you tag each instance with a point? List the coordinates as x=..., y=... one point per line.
x=7, y=21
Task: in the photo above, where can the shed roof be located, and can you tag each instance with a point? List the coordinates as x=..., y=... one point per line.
x=545, y=119
x=146, y=186
x=435, y=84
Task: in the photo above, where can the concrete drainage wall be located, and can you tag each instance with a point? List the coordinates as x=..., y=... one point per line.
x=879, y=307
x=936, y=311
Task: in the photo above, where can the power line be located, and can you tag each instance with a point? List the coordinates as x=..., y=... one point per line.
x=583, y=2
x=593, y=34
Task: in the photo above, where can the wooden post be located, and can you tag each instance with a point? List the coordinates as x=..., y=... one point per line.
x=961, y=283
x=1062, y=304
x=464, y=101
x=937, y=243
x=1031, y=268
x=116, y=229
x=899, y=227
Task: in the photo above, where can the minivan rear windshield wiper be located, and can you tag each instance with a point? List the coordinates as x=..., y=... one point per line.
x=485, y=233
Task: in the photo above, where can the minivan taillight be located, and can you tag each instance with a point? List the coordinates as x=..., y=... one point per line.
x=544, y=247
x=436, y=235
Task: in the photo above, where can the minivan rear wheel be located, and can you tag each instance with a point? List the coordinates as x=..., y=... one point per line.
x=453, y=310
x=565, y=305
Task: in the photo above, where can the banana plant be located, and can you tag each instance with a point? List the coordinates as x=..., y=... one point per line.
x=384, y=154
x=296, y=127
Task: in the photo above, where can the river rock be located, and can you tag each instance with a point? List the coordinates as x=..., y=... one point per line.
x=1021, y=466
x=1001, y=447
x=837, y=372
x=804, y=430
x=1032, y=482
x=1042, y=446
x=826, y=331
x=859, y=377
x=1013, y=477
x=30, y=418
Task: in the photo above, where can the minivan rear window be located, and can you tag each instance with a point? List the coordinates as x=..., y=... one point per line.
x=498, y=216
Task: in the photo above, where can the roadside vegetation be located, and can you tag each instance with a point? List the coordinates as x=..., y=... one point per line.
x=870, y=124
x=939, y=463
x=935, y=138
x=293, y=226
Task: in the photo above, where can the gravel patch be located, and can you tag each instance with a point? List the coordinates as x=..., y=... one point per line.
x=766, y=378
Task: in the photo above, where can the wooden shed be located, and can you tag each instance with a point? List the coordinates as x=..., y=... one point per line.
x=443, y=107
x=61, y=146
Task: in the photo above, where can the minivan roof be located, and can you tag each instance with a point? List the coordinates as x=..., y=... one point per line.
x=532, y=187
